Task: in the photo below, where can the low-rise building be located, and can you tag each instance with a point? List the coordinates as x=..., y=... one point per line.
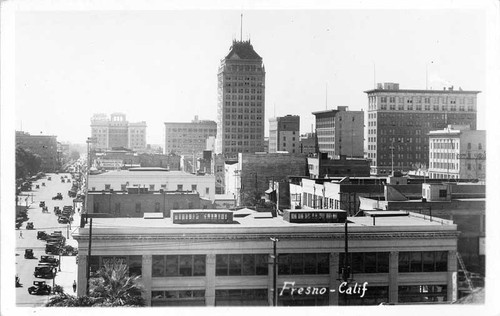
x=221, y=258
x=154, y=179
x=321, y=166
x=134, y=202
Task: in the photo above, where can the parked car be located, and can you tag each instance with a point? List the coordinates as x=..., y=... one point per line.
x=52, y=248
x=28, y=254
x=69, y=251
x=42, y=204
x=57, y=197
x=30, y=226
x=44, y=272
x=49, y=259
x=49, y=178
x=39, y=288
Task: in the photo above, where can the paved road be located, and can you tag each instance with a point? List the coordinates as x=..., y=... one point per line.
x=48, y=223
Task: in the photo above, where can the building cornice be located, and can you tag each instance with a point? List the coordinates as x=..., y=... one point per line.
x=283, y=236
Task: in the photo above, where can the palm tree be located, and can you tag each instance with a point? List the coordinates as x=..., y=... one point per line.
x=115, y=287
x=112, y=286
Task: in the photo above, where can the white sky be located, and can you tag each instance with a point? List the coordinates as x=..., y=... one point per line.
x=161, y=66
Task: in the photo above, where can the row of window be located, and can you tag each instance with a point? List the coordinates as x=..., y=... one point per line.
x=243, y=97
x=241, y=90
x=288, y=264
x=239, y=105
x=244, y=123
x=374, y=295
x=427, y=100
x=444, y=108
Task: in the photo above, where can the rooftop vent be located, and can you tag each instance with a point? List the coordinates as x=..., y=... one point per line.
x=202, y=217
x=314, y=216
x=153, y=216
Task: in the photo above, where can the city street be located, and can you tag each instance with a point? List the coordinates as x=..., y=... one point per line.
x=44, y=222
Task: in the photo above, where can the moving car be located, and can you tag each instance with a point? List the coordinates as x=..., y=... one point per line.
x=39, y=288
x=28, y=254
x=42, y=204
x=41, y=235
x=57, y=197
x=30, y=226
x=50, y=260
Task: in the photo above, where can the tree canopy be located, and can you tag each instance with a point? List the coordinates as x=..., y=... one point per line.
x=27, y=163
x=111, y=286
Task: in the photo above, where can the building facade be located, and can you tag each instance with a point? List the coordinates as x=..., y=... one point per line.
x=154, y=179
x=188, y=138
x=249, y=178
x=457, y=153
x=284, y=134
x=320, y=166
x=403, y=260
x=241, y=101
x=340, y=132
x=117, y=132
x=399, y=121
x=132, y=204
x=43, y=145
x=308, y=143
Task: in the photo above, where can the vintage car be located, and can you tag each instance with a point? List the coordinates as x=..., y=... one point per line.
x=69, y=251
x=52, y=248
x=45, y=272
x=28, y=254
x=49, y=259
x=49, y=178
x=30, y=226
x=63, y=220
x=41, y=235
x=57, y=197
x=39, y=288
x=42, y=204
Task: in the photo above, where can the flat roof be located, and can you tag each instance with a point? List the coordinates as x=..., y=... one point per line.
x=423, y=91
x=252, y=224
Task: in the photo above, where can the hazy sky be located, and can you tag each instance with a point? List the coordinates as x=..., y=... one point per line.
x=161, y=66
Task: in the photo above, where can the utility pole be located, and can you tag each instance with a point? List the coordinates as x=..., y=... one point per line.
x=88, y=256
x=275, y=272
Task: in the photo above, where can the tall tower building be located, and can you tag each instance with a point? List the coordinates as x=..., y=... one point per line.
x=241, y=101
x=340, y=132
x=399, y=122
x=284, y=134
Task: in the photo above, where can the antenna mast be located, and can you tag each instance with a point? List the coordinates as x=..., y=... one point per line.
x=241, y=28
x=326, y=97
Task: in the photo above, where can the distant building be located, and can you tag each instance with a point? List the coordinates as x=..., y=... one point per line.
x=457, y=153
x=308, y=143
x=399, y=121
x=241, y=101
x=340, y=132
x=320, y=166
x=188, y=138
x=284, y=134
x=117, y=132
x=43, y=145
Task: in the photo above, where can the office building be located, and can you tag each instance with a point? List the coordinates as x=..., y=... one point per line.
x=188, y=138
x=399, y=121
x=457, y=153
x=284, y=134
x=117, y=132
x=241, y=101
x=222, y=258
x=44, y=146
x=340, y=132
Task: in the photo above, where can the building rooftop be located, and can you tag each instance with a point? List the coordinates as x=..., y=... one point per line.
x=255, y=223
x=422, y=91
x=144, y=172
x=244, y=50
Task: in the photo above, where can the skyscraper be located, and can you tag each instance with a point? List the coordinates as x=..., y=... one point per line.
x=241, y=101
x=399, y=122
